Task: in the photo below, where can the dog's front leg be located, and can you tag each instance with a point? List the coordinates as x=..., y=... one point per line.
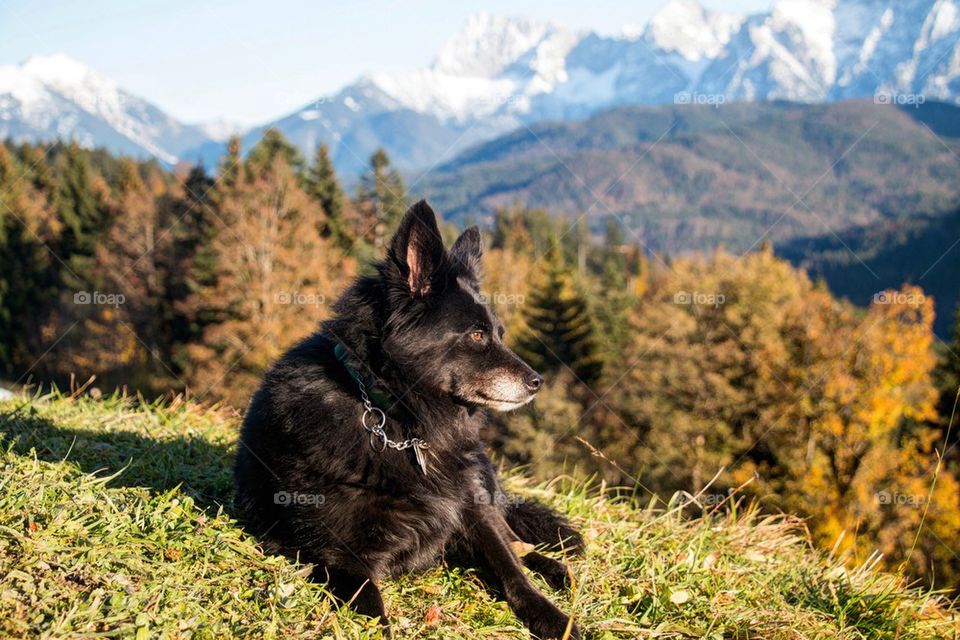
x=489, y=537
x=354, y=589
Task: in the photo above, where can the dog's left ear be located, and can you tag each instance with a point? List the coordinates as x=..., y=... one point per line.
x=468, y=251
x=417, y=248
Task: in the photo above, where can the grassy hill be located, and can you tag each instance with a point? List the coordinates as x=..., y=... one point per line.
x=115, y=522
x=694, y=176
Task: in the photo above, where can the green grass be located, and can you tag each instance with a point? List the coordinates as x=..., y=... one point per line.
x=115, y=522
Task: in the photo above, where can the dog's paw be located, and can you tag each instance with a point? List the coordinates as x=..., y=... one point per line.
x=545, y=621
x=554, y=572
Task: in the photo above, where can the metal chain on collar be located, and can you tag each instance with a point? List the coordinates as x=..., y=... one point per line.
x=378, y=437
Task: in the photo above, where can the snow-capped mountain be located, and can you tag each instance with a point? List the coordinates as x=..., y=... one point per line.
x=499, y=73
x=56, y=97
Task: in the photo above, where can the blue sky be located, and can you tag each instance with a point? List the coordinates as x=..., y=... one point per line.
x=250, y=62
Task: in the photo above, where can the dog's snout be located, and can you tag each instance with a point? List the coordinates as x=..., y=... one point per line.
x=534, y=381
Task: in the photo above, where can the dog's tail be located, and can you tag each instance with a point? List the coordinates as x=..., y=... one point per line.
x=538, y=524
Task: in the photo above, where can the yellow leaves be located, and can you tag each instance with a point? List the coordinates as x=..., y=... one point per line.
x=826, y=392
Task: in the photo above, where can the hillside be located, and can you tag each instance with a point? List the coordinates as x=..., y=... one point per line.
x=116, y=523
x=922, y=250
x=694, y=177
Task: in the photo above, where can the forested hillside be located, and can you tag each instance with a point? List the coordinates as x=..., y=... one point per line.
x=694, y=177
x=857, y=264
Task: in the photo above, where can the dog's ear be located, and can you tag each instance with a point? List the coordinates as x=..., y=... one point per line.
x=468, y=251
x=417, y=248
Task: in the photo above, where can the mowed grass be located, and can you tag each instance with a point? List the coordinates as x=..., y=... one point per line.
x=115, y=521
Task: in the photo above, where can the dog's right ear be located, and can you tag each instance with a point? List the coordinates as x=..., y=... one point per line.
x=417, y=248
x=468, y=251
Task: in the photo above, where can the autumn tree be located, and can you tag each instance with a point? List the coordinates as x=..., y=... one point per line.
x=134, y=259
x=275, y=277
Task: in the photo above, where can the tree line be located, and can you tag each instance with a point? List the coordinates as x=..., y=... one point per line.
x=661, y=371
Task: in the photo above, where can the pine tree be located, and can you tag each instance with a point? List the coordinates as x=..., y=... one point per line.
x=559, y=332
x=271, y=146
x=230, y=165
x=81, y=210
x=322, y=185
x=948, y=381
x=193, y=263
x=382, y=197
x=28, y=277
x=614, y=296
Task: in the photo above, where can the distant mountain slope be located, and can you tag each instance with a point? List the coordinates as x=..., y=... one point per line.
x=922, y=250
x=56, y=97
x=694, y=177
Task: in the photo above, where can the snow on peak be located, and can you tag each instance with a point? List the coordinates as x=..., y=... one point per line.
x=61, y=70
x=813, y=26
x=687, y=28
x=488, y=44
x=73, y=80
x=57, y=96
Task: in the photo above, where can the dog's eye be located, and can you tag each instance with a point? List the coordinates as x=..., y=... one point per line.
x=477, y=336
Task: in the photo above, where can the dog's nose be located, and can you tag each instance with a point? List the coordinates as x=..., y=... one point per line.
x=534, y=381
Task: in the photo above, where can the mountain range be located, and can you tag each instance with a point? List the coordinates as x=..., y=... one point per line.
x=500, y=73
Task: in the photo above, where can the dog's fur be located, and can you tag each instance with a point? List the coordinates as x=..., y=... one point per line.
x=421, y=334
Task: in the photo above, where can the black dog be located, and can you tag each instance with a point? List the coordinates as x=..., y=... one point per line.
x=360, y=452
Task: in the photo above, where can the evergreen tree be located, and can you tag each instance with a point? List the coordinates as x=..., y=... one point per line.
x=271, y=146
x=193, y=259
x=230, y=165
x=322, y=185
x=382, y=197
x=948, y=381
x=84, y=216
x=613, y=295
x=27, y=277
x=558, y=325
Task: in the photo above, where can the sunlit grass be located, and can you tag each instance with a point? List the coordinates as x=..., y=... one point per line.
x=115, y=522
